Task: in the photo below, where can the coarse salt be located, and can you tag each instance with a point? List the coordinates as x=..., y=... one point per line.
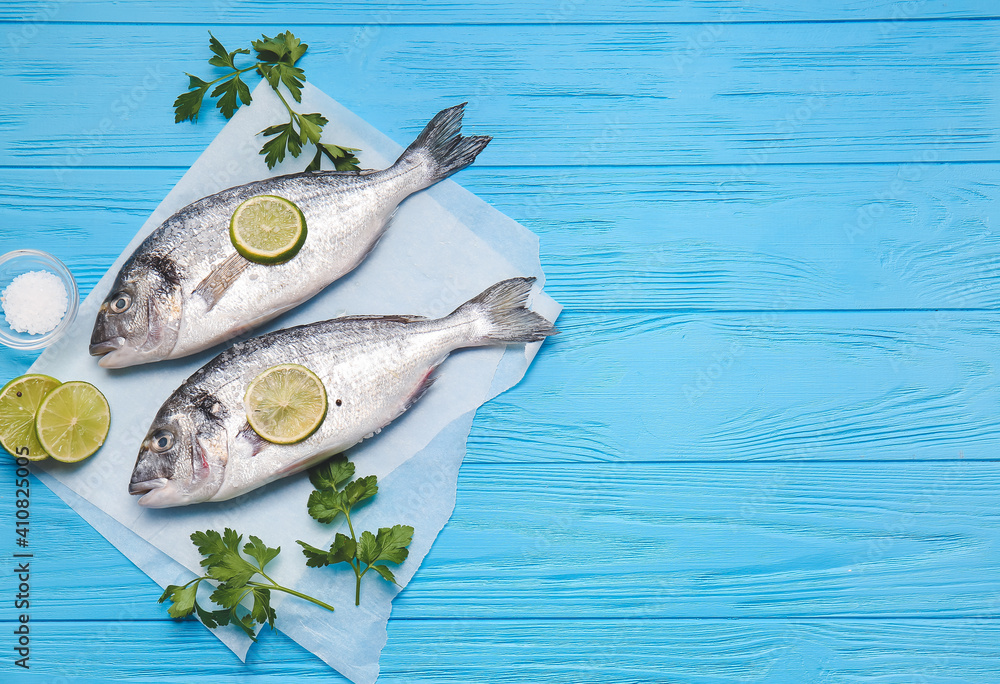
x=34, y=302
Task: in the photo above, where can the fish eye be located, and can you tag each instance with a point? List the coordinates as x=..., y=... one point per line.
x=121, y=302
x=162, y=441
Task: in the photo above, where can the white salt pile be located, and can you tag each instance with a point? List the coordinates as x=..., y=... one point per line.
x=34, y=302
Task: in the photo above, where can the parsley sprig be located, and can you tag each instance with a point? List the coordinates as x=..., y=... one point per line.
x=234, y=575
x=331, y=499
x=276, y=63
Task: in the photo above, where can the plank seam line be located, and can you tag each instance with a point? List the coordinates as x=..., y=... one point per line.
x=533, y=24
x=731, y=462
x=552, y=287
x=503, y=167
x=609, y=619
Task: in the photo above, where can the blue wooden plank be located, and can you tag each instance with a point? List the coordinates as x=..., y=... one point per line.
x=585, y=541
x=582, y=95
x=756, y=386
x=797, y=386
x=374, y=15
x=707, y=238
x=456, y=650
x=807, y=386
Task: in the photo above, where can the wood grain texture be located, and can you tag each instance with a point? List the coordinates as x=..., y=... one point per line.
x=452, y=12
x=583, y=95
x=613, y=541
x=745, y=387
x=515, y=651
x=763, y=449
x=781, y=238
x=917, y=385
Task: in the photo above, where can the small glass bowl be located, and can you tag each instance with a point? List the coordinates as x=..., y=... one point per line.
x=13, y=264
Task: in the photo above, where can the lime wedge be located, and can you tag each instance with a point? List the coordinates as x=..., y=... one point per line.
x=19, y=401
x=267, y=229
x=286, y=403
x=72, y=422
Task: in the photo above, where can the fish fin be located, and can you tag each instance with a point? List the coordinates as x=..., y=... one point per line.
x=221, y=278
x=398, y=318
x=378, y=235
x=500, y=315
x=441, y=149
x=257, y=443
x=422, y=387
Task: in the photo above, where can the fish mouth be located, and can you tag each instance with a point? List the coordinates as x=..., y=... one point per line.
x=158, y=493
x=107, y=346
x=146, y=486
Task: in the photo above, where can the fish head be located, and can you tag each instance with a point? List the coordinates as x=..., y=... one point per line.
x=183, y=458
x=140, y=319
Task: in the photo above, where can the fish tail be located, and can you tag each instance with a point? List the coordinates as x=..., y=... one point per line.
x=440, y=149
x=499, y=314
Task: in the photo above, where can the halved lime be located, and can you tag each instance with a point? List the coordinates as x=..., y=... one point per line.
x=72, y=422
x=286, y=403
x=19, y=402
x=267, y=229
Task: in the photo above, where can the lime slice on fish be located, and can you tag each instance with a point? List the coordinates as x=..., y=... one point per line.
x=19, y=402
x=73, y=421
x=286, y=403
x=267, y=229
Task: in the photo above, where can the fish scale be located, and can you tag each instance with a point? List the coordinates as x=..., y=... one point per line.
x=376, y=366
x=186, y=289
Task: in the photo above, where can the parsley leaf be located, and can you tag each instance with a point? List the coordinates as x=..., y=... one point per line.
x=385, y=572
x=392, y=543
x=232, y=90
x=332, y=498
x=286, y=138
x=182, y=599
x=312, y=127
x=276, y=64
x=187, y=105
x=284, y=47
x=257, y=550
x=342, y=550
x=235, y=576
x=362, y=489
x=332, y=473
x=290, y=76
x=325, y=505
x=223, y=58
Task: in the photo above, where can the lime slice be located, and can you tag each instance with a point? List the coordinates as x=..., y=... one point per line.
x=73, y=421
x=267, y=229
x=286, y=403
x=19, y=402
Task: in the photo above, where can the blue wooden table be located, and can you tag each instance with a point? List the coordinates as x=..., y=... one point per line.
x=765, y=447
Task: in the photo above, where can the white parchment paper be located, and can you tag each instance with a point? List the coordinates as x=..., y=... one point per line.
x=443, y=247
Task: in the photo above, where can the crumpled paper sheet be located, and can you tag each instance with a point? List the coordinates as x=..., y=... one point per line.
x=443, y=247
